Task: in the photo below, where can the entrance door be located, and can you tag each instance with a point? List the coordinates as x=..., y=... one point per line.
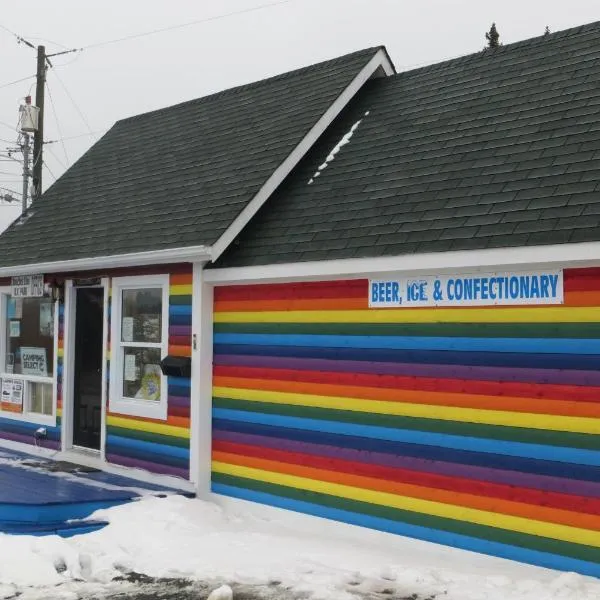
x=87, y=384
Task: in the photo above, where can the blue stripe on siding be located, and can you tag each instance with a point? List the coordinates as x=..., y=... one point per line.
x=447, y=357
x=492, y=461
x=534, y=557
x=560, y=454
x=460, y=344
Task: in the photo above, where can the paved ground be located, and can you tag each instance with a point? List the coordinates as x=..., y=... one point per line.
x=135, y=587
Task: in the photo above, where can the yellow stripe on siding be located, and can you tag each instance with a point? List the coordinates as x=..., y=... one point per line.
x=159, y=428
x=565, y=533
x=425, y=411
x=554, y=314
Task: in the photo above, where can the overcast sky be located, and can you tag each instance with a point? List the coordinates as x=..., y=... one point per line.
x=92, y=89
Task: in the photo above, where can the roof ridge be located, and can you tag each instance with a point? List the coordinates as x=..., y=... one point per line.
x=245, y=86
x=532, y=41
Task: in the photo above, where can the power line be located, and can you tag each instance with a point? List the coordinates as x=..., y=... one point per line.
x=45, y=164
x=57, y=123
x=76, y=106
x=5, y=85
x=57, y=159
x=14, y=129
x=188, y=24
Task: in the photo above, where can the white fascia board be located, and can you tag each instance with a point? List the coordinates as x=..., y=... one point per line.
x=134, y=259
x=379, y=61
x=573, y=255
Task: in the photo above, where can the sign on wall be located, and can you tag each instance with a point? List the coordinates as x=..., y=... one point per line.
x=27, y=286
x=33, y=361
x=474, y=289
x=12, y=391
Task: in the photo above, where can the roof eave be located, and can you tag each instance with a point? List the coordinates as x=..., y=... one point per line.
x=379, y=62
x=190, y=254
x=584, y=254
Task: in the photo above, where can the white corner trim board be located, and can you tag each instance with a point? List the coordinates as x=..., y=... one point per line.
x=584, y=254
x=134, y=259
x=379, y=61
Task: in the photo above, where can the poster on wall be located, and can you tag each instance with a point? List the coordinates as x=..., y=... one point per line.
x=12, y=392
x=127, y=329
x=14, y=329
x=46, y=320
x=130, y=370
x=33, y=361
x=6, y=390
x=10, y=362
x=27, y=286
x=464, y=289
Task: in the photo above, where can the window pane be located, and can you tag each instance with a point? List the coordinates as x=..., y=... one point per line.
x=30, y=336
x=141, y=373
x=40, y=398
x=142, y=315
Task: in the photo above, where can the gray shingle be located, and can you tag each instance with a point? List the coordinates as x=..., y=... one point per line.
x=178, y=176
x=508, y=141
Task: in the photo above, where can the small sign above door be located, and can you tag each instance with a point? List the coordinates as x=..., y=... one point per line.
x=27, y=286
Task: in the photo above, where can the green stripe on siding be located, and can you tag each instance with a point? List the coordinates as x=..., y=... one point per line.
x=146, y=436
x=495, y=330
x=181, y=300
x=496, y=432
x=494, y=534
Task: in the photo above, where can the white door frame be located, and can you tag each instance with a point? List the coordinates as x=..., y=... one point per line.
x=69, y=366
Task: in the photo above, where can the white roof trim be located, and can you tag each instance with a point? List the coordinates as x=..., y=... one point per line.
x=134, y=259
x=573, y=255
x=379, y=61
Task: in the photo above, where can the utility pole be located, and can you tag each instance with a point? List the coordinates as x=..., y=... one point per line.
x=38, y=137
x=25, y=171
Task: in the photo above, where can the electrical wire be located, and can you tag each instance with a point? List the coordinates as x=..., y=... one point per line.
x=188, y=24
x=60, y=133
x=13, y=129
x=5, y=85
x=75, y=105
x=64, y=167
x=49, y=170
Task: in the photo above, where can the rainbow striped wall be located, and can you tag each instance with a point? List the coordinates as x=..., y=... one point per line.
x=159, y=446
x=471, y=427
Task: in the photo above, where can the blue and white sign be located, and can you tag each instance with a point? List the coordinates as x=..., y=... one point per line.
x=475, y=289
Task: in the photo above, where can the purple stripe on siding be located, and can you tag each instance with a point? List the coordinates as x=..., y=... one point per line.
x=180, y=330
x=542, y=482
x=28, y=439
x=181, y=401
x=557, y=376
x=147, y=466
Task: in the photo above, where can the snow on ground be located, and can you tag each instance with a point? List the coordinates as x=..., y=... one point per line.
x=176, y=537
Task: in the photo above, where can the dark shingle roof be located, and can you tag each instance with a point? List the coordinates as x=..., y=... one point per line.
x=496, y=149
x=178, y=176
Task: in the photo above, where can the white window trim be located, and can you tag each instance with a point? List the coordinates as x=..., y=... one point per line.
x=26, y=415
x=117, y=403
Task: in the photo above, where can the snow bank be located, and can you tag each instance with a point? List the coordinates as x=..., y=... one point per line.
x=179, y=537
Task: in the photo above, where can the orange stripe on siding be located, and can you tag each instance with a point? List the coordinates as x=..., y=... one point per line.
x=508, y=507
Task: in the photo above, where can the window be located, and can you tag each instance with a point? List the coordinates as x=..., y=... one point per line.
x=140, y=329
x=28, y=356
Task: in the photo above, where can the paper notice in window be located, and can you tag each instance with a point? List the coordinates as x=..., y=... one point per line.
x=14, y=328
x=127, y=329
x=130, y=374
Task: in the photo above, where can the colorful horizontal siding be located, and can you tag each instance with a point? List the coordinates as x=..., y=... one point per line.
x=476, y=428
x=153, y=445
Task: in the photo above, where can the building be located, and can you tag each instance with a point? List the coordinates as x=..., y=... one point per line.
x=350, y=293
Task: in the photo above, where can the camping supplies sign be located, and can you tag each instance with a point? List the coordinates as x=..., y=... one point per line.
x=480, y=289
x=27, y=286
x=33, y=361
